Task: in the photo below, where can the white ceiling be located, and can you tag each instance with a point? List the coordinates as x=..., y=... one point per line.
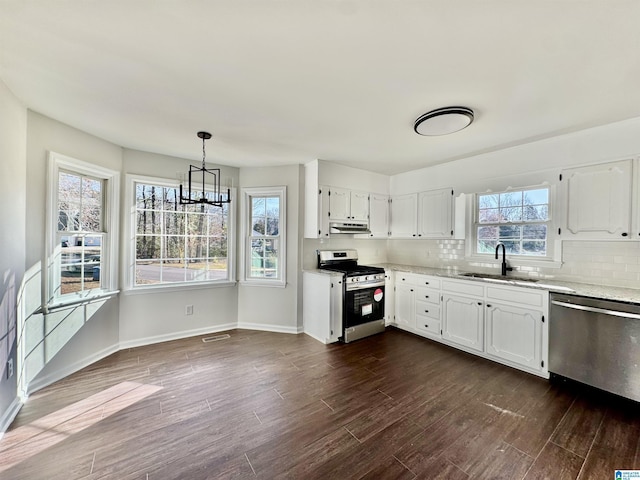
x=289, y=81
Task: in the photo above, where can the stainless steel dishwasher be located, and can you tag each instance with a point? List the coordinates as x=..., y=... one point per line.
x=596, y=342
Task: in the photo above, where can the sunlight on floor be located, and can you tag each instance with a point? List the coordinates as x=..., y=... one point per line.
x=23, y=442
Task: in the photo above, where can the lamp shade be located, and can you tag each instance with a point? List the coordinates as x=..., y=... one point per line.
x=443, y=121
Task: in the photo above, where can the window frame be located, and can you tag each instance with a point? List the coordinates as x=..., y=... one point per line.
x=110, y=228
x=247, y=194
x=130, y=258
x=551, y=259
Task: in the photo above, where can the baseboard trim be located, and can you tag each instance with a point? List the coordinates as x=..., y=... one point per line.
x=9, y=415
x=141, y=342
x=53, y=377
x=269, y=328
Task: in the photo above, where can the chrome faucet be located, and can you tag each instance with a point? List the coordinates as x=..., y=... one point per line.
x=505, y=269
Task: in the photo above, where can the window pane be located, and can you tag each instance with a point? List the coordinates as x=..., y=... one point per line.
x=148, y=272
x=511, y=214
x=534, y=232
x=148, y=247
x=91, y=218
x=264, y=258
x=196, y=224
x=80, y=263
x=174, y=223
x=488, y=232
x=510, y=231
x=170, y=199
x=488, y=201
x=148, y=222
x=539, y=212
x=512, y=247
x=510, y=199
x=536, y=197
x=489, y=216
x=487, y=246
x=534, y=247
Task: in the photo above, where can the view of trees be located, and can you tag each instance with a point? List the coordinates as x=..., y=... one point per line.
x=517, y=219
x=80, y=200
x=190, y=237
x=265, y=223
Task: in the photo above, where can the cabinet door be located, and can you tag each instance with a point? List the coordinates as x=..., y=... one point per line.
x=435, y=214
x=405, y=309
x=404, y=216
x=599, y=200
x=514, y=334
x=359, y=206
x=463, y=321
x=339, y=203
x=379, y=215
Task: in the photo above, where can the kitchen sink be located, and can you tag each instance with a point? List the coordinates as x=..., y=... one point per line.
x=499, y=278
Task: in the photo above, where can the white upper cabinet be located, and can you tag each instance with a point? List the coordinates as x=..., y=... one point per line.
x=423, y=215
x=435, y=213
x=346, y=204
x=598, y=200
x=404, y=216
x=378, y=215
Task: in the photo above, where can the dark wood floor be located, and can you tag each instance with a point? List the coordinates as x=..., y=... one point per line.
x=267, y=405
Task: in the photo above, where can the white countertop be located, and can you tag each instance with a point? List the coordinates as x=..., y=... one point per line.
x=629, y=295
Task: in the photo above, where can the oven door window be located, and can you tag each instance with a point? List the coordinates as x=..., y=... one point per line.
x=362, y=306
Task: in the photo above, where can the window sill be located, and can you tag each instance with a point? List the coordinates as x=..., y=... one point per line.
x=76, y=302
x=182, y=287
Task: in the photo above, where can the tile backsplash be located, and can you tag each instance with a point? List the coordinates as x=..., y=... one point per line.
x=613, y=263
x=598, y=262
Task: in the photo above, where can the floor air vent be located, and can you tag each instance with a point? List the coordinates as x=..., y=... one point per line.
x=215, y=338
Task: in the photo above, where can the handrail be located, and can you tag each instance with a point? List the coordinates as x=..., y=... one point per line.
x=53, y=307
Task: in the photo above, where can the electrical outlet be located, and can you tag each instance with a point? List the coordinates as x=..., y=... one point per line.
x=10, y=368
x=188, y=310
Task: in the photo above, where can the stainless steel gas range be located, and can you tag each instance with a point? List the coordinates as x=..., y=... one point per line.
x=362, y=293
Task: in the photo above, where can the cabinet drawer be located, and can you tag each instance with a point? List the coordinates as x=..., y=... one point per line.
x=408, y=278
x=428, y=310
x=475, y=289
x=522, y=296
x=428, y=295
x=428, y=281
x=427, y=324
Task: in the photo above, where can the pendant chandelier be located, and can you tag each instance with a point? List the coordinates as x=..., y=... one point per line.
x=212, y=197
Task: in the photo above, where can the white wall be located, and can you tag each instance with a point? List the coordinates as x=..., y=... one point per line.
x=13, y=139
x=44, y=135
x=160, y=315
x=274, y=308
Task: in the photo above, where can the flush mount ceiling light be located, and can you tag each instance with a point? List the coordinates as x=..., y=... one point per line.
x=443, y=121
x=213, y=195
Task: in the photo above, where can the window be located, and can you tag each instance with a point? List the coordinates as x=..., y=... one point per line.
x=519, y=219
x=83, y=201
x=264, y=236
x=174, y=243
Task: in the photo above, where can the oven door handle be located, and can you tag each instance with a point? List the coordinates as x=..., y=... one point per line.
x=604, y=311
x=351, y=288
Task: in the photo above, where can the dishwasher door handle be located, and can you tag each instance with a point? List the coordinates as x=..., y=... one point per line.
x=604, y=311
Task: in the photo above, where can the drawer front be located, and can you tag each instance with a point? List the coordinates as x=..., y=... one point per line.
x=408, y=278
x=521, y=296
x=428, y=310
x=429, y=282
x=428, y=295
x=427, y=324
x=475, y=289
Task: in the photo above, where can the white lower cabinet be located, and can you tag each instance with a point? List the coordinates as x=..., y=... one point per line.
x=514, y=334
x=501, y=322
x=405, y=308
x=463, y=321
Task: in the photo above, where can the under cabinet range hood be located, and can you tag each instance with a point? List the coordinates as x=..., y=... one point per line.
x=349, y=227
